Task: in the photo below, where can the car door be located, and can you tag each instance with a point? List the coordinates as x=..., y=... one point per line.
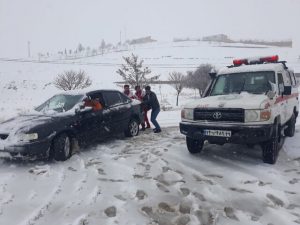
x=90, y=124
x=117, y=111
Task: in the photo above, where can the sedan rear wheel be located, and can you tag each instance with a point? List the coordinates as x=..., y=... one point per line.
x=132, y=129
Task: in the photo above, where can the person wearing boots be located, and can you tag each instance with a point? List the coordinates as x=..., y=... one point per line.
x=151, y=101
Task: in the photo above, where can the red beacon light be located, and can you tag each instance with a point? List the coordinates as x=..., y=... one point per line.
x=238, y=62
x=270, y=59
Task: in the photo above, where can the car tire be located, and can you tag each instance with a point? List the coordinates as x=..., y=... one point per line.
x=194, y=145
x=270, y=149
x=132, y=128
x=62, y=147
x=290, y=130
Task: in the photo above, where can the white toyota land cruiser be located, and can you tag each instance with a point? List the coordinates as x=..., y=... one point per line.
x=254, y=101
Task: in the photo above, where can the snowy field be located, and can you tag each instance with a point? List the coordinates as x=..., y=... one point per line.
x=149, y=179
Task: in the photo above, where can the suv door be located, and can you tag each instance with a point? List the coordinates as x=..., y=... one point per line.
x=281, y=101
x=117, y=111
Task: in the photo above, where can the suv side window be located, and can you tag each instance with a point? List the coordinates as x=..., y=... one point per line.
x=293, y=78
x=112, y=98
x=287, y=79
x=280, y=83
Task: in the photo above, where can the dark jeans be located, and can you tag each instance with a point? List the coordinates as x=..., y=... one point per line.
x=154, y=114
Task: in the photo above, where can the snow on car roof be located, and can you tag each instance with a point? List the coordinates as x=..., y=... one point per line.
x=83, y=91
x=252, y=68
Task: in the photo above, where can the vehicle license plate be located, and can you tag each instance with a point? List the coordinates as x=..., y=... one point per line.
x=217, y=133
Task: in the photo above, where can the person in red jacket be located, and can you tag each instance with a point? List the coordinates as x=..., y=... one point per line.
x=139, y=94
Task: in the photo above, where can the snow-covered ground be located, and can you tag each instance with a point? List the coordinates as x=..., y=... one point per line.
x=151, y=178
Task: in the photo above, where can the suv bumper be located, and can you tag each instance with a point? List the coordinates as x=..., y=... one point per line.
x=245, y=134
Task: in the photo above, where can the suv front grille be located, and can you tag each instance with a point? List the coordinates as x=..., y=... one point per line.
x=3, y=136
x=219, y=114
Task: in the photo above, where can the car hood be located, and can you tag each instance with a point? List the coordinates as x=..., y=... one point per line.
x=23, y=123
x=244, y=100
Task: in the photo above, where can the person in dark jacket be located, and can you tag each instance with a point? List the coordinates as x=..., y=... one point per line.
x=151, y=101
x=139, y=95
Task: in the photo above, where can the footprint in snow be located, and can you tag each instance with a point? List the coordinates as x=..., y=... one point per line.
x=72, y=169
x=205, y=217
x=162, y=187
x=199, y=179
x=293, y=206
x=183, y=220
x=199, y=196
x=214, y=176
x=120, y=197
x=166, y=207
x=290, y=170
x=277, y=201
x=229, y=212
x=260, y=183
x=290, y=192
x=165, y=169
x=101, y=171
x=185, y=191
x=240, y=190
x=294, y=181
x=140, y=194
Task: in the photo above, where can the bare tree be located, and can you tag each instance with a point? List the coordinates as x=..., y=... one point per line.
x=133, y=72
x=71, y=80
x=200, y=78
x=102, y=46
x=177, y=80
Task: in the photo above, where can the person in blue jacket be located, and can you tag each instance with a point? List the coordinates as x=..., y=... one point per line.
x=151, y=101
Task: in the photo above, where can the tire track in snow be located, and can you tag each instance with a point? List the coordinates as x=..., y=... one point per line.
x=42, y=210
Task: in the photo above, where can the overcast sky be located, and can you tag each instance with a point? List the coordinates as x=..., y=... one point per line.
x=52, y=25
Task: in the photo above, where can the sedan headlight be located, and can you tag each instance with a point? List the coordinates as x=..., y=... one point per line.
x=187, y=114
x=27, y=137
x=257, y=115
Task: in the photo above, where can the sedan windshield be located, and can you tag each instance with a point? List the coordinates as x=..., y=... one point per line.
x=252, y=82
x=60, y=103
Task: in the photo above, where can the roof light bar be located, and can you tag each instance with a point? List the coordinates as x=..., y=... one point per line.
x=256, y=60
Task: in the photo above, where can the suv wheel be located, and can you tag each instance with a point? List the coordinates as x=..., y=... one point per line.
x=194, y=145
x=271, y=148
x=290, y=130
x=132, y=128
x=62, y=147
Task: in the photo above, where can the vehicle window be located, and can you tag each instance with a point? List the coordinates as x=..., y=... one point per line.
x=252, y=82
x=292, y=75
x=124, y=98
x=60, y=103
x=294, y=79
x=280, y=83
x=287, y=79
x=112, y=98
